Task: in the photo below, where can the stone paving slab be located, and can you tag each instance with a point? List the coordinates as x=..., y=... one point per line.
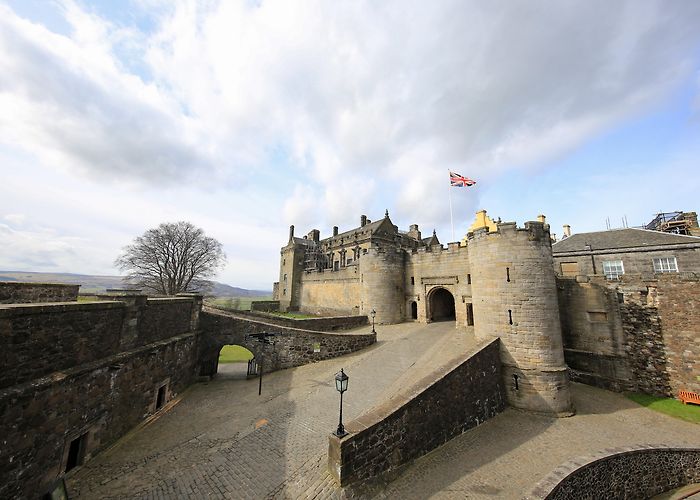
x=224, y=441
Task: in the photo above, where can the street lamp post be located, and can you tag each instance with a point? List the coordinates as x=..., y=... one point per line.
x=341, y=385
x=373, y=313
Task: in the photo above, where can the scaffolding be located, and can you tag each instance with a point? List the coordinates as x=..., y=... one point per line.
x=675, y=222
x=314, y=258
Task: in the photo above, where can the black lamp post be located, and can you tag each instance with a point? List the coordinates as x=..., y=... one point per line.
x=341, y=385
x=373, y=313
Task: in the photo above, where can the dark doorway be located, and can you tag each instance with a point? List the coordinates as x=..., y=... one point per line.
x=160, y=399
x=470, y=314
x=414, y=310
x=76, y=452
x=442, y=305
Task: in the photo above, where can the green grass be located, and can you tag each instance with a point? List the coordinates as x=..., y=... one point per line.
x=87, y=298
x=234, y=354
x=293, y=315
x=669, y=406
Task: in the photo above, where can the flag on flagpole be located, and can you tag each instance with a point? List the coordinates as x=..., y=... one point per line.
x=458, y=180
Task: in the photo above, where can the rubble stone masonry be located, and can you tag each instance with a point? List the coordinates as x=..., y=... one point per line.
x=23, y=293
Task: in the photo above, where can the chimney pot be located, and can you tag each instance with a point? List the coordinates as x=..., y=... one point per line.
x=363, y=220
x=567, y=230
x=335, y=230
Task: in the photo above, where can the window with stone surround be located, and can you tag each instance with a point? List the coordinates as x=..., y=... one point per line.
x=613, y=269
x=665, y=265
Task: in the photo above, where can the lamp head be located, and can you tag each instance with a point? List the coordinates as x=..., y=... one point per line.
x=373, y=313
x=341, y=381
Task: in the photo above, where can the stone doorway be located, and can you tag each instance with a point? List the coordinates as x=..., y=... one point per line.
x=234, y=362
x=414, y=310
x=442, y=305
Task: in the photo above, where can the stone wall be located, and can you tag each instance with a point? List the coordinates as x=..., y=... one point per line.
x=331, y=292
x=630, y=472
x=515, y=299
x=293, y=346
x=440, y=407
x=89, y=369
x=37, y=339
x=438, y=267
x=23, y=293
x=265, y=305
x=323, y=324
x=634, y=261
x=382, y=274
x=636, y=334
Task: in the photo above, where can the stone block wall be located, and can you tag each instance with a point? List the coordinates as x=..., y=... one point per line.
x=37, y=339
x=331, y=292
x=293, y=346
x=630, y=472
x=440, y=407
x=265, y=305
x=382, y=274
x=650, y=341
x=70, y=370
x=515, y=298
x=428, y=268
x=24, y=293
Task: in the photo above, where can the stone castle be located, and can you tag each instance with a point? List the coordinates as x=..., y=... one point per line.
x=504, y=281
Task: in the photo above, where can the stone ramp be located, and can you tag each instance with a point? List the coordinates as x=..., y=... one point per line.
x=438, y=356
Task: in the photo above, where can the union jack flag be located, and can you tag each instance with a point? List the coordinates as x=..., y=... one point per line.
x=458, y=180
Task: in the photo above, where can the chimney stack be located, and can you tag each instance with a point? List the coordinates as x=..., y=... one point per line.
x=567, y=231
x=363, y=220
x=541, y=218
x=291, y=233
x=335, y=230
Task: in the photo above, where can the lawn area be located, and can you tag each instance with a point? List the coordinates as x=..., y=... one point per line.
x=292, y=315
x=669, y=406
x=234, y=354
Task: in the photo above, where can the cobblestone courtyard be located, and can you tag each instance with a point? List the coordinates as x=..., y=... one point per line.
x=224, y=441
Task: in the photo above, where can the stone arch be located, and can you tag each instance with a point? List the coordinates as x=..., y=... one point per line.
x=234, y=361
x=441, y=305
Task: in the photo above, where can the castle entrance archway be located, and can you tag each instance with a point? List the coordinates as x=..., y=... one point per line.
x=414, y=310
x=442, y=305
x=235, y=361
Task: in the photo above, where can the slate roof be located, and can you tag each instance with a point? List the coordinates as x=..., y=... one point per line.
x=616, y=239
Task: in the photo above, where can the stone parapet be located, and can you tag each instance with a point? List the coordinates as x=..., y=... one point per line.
x=26, y=293
x=439, y=407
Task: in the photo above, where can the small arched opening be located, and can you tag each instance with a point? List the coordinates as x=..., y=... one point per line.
x=414, y=310
x=442, y=305
x=234, y=361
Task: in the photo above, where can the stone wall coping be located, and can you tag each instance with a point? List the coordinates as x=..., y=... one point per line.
x=221, y=312
x=30, y=284
x=170, y=299
x=9, y=310
x=379, y=413
x=571, y=467
x=75, y=371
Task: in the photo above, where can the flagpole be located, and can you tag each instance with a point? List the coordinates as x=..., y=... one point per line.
x=449, y=188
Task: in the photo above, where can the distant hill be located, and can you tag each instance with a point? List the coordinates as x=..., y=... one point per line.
x=96, y=284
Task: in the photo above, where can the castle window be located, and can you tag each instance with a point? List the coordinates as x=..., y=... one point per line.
x=470, y=314
x=469, y=279
x=665, y=265
x=284, y=261
x=508, y=274
x=284, y=292
x=413, y=280
x=285, y=278
x=160, y=397
x=613, y=269
x=510, y=317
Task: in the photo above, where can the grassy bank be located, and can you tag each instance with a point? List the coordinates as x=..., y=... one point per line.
x=669, y=406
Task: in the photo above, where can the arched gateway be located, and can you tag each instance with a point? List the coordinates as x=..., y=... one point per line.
x=442, y=305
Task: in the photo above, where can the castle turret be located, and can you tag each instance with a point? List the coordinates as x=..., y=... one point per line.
x=382, y=276
x=515, y=298
x=291, y=269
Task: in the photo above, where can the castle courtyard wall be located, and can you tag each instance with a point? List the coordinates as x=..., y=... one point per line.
x=637, y=333
x=26, y=293
x=90, y=369
x=331, y=292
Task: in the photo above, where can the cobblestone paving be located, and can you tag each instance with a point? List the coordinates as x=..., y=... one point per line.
x=224, y=441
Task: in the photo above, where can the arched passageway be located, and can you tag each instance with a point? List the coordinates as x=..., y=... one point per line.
x=414, y=310
x=234, y=361
x=442, y=305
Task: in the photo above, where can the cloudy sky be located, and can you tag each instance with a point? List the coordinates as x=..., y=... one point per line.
x=246, y=116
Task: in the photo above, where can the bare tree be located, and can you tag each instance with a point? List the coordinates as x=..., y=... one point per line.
x=172, y=258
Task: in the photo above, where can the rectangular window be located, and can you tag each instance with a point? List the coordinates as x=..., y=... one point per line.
x=613, y=269
x=285, y=278
x=76, y=452
x=160, y=397
x=413, y=280
x=665, y=265
x=284, y=292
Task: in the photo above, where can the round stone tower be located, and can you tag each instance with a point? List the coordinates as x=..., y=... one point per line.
x=382, y=275
x=515, y=298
